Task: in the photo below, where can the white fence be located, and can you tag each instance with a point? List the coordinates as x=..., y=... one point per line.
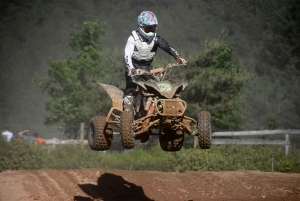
x=219, y=141
x=286, y=142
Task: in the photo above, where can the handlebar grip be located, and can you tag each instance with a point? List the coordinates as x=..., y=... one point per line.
x=158, y=70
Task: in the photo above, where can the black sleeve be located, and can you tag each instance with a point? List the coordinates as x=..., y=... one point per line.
x=163, y=44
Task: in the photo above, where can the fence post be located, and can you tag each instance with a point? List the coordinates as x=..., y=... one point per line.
x=195, y=141
x=287, y=143
x=81, y=132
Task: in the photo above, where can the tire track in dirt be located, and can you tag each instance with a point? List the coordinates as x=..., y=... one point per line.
x=49, y=185
x=79, y=178
x=16, y=180
x=33, y=184
x=49, y=180
x=101, y=184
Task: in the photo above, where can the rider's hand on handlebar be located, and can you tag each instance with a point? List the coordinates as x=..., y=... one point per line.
x=180, y=60
x=132, y=71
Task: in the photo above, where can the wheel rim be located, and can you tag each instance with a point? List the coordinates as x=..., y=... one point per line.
x=162, y=139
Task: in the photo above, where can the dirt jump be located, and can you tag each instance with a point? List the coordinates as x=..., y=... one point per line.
x=114, y=185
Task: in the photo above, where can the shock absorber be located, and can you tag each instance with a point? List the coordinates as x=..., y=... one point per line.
x=150, y=110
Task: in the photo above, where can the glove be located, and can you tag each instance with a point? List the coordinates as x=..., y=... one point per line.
x=132, y=71
x=180, y=60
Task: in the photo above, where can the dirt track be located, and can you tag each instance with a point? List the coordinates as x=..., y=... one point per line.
x=99, y=184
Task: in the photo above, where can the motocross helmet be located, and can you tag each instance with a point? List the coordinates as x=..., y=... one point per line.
x=147, y=23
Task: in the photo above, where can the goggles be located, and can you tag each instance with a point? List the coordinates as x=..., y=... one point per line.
x=148, y=29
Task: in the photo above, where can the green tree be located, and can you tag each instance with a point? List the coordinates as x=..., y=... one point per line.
x=273, y=95
x=280, y=34
x=215, y=80
x=71, y=83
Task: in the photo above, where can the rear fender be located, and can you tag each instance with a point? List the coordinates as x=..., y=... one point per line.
x=115, y=94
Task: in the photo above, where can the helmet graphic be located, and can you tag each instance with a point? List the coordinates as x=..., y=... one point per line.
x=147, y=22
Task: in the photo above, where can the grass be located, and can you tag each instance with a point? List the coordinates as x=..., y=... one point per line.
x=15, y=156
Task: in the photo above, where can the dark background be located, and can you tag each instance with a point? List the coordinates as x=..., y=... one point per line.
x=31, y=31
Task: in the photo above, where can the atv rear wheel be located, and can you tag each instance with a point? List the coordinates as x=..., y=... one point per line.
x=171, y=140
x=127, y=136
x=204, y=129
x=100, y=134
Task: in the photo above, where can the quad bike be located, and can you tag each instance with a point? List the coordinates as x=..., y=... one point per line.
x=157, y=110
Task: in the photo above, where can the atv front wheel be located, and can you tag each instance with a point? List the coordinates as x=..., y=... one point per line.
x=127, y=137
x=204, y=129
x=100, y=134
x=171, y=140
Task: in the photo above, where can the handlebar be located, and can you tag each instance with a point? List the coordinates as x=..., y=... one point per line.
x=157, y=70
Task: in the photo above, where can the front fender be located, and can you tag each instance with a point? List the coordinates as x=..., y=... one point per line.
x=115, y=94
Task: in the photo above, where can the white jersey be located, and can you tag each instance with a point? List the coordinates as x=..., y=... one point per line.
x=141, y=52
x=129, y=52
x=8, y=135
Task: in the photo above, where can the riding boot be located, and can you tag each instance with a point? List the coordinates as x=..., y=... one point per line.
x=128, y=103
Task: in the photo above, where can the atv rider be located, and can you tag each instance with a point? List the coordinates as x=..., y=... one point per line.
x=140, y=50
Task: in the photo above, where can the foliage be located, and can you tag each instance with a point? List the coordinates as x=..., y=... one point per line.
x=15, y=156
x=137, y=159
x=281, y=34
x=234, y=157
x=71, y=83
x=215, y=80
x=273, y=93
x=75, y=156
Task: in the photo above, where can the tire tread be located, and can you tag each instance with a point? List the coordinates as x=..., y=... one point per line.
x=103, y=133
x=127, y=137
x=204, y=130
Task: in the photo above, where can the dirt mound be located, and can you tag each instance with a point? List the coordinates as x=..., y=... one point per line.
x=100, y=184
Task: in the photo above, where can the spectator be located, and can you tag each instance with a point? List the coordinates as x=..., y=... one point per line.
x=26, y=137
x=7, y=134
x=37, y=139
